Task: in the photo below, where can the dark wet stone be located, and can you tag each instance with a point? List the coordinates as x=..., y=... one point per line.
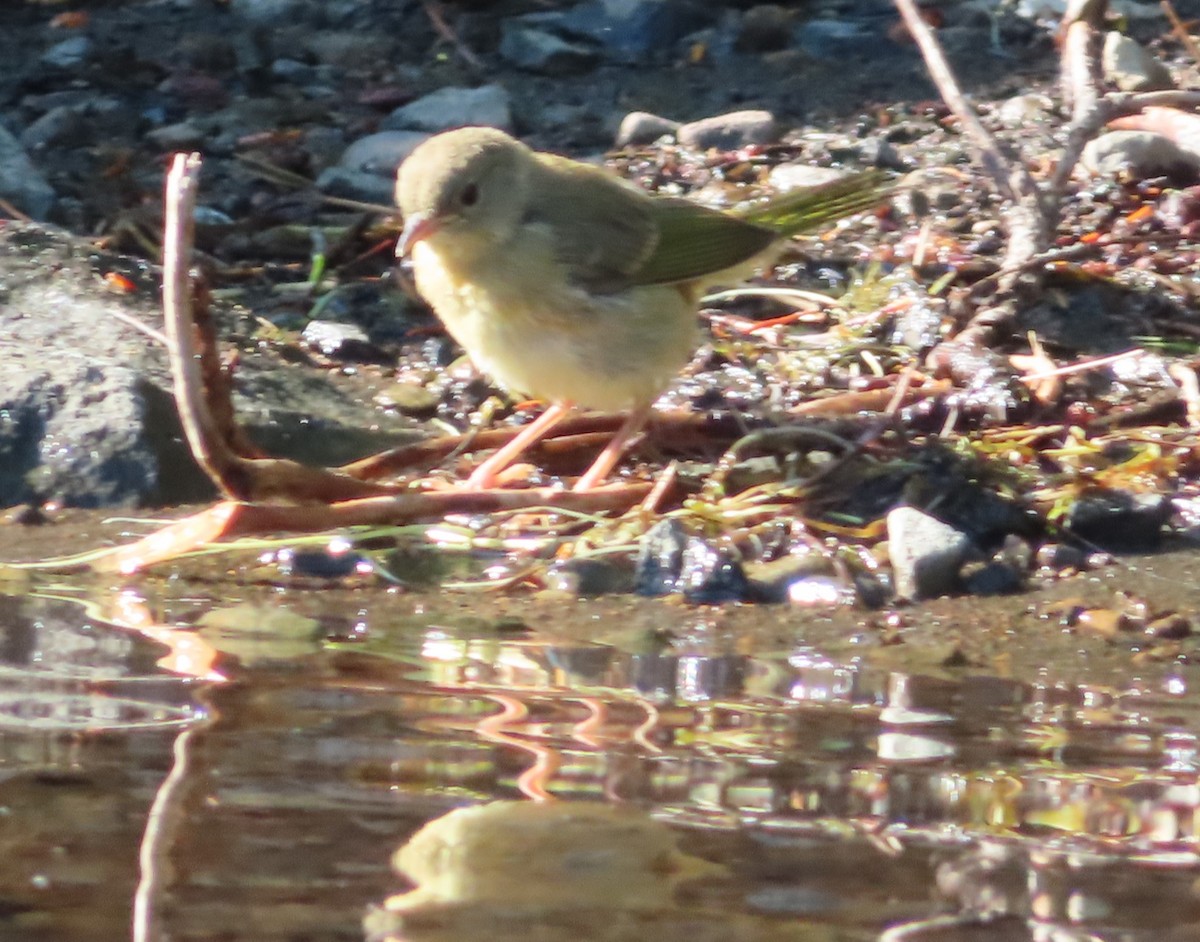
x=629, y=30
x=730, y=131
x=1060, y=556
x=926, y=554
x=68, y=54
x=712, y=575
x=342, y=342
x=536, y=50
x=320, y=564
x=660, y=558
x=641, y=127
x=764, y=28
x=831, y=38
x=994, y=578
x=589, y=577
x=20, y=181
x=1119, y=521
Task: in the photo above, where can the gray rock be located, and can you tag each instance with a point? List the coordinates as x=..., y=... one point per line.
x=381, y=153
x=20, y=181
x=629, y=30
x=1138, y=153
x=68, y=54
x=356, y=185
x=730, y=131
x=454, y=107
x=268, y=12
x=926, y=554
x=183, y=135
x=641, y=127
x=536, y=50
x=1132, y=68
x=64, y=126
x=764, y=28
x=86, y=413
x=831, y=39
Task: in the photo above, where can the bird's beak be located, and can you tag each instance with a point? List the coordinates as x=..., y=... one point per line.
x=417, y=227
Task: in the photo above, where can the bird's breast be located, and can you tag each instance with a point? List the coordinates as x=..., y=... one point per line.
x=525, y=324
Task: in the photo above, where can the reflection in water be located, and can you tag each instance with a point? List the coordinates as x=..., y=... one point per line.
x=829, y=800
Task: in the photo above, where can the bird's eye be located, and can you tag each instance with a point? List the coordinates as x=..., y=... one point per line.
x=470, y=195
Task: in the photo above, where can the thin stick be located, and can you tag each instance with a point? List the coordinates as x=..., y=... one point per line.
x=1180, y=30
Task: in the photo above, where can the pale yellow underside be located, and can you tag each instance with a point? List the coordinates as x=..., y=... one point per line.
x=524, y=324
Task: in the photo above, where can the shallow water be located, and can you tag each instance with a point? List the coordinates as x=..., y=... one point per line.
x=252, y=777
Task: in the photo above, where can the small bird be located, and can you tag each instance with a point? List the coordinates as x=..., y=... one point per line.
x=564, y=282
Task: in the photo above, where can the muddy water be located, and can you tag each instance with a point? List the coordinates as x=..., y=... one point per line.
x=958, y=771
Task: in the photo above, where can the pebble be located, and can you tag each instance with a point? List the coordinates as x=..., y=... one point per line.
x=20, y=181
x=68, y=54
x=712, y=574
x=764, y=28
x=410, y=399
x=1119, y=520
x=454, y=107
x=1138, y=153
x=639, y=128
x=730, y=131
x=926, y=554
x=539, y=51
x=381, y=153
x=1131, y=67
x=660, y=558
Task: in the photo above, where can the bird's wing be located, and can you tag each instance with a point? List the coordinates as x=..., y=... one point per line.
x=601, y=229
x=695, y=241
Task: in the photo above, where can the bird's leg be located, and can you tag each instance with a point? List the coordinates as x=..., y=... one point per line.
x=486, y=474
x=608, y=458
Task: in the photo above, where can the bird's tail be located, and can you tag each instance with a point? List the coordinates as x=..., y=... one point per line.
x=806, y=208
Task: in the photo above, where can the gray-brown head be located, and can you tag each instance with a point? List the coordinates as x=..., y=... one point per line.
x=467, y=187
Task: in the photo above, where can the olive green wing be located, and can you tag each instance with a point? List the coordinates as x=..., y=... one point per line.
x=601, y=229
x=695, y=241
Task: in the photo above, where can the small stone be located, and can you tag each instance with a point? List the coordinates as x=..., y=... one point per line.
x=926, y=554
x=995, y=578
x=180, y=136
x=730, y=131
x=68, y=54
x=587, y=578
x=712, y=574
x=1129, y=66
x=641, y=127
x=454, y=107
x=410, y=399
x=792, y=176
x=1022, y=110
x=1119, y=520
x=660, y=558
x=538, y=51
x=764, y=28
x=341, y=341
x=1060, y=557
x=354, y=185
x=1140, y=154
x=20, y=181
x=381, y=153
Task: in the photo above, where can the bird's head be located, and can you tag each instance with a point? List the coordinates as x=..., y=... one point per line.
x=465, y=190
